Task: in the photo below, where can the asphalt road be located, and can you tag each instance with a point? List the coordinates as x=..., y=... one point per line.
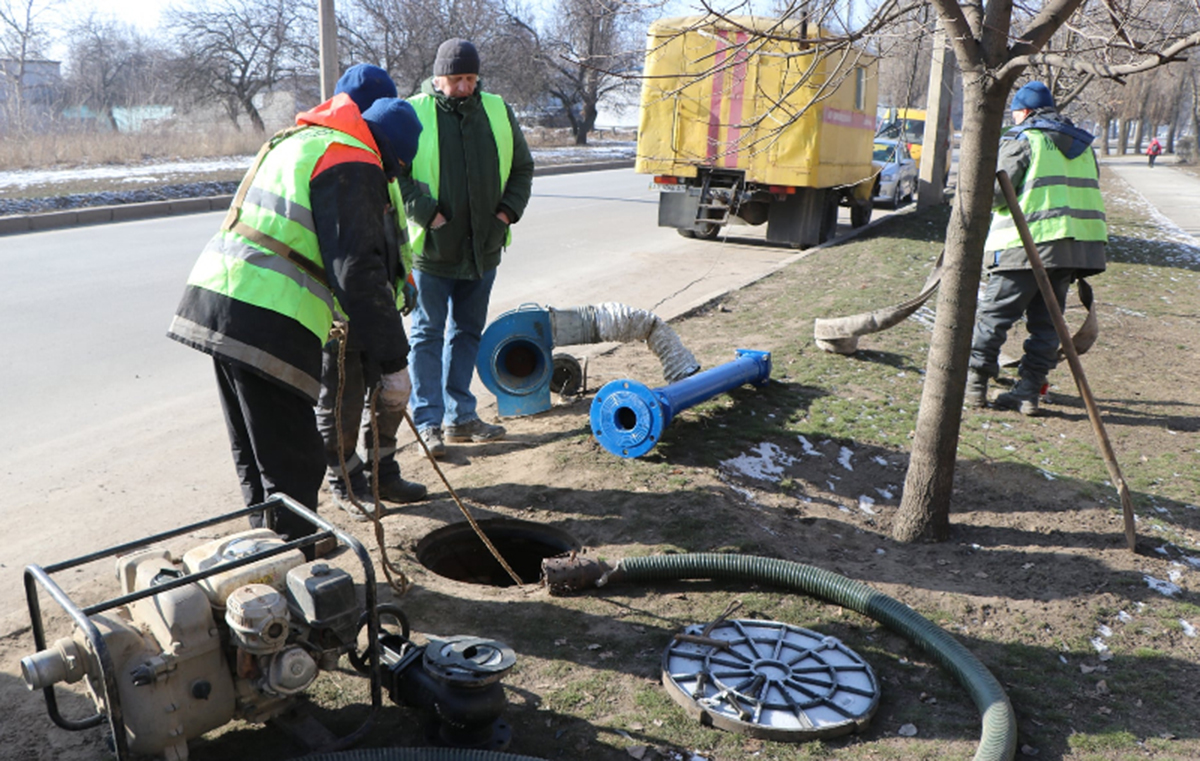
x=112, y=432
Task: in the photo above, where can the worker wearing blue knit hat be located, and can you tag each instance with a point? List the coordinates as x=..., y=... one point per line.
x=349, y=374
x=1057, y=180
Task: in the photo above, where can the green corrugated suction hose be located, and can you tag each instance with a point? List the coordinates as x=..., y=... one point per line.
x=998, y=741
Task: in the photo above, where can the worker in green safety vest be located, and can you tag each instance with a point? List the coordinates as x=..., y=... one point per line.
x=1057, y=180
x=310, y=235
x=469, y=183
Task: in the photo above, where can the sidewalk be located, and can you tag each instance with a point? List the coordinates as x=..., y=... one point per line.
x=1175, y=193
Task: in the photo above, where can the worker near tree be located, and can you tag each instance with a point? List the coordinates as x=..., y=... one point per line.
x=1054, y=172
x=469, y=183
x=307, y=235
x=347, y=374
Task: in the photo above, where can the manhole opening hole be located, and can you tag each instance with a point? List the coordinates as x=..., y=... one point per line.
x=457, y=552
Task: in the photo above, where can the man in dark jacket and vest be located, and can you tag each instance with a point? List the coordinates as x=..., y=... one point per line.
x=470, y=181
x=1054, y=172
x=306, y=236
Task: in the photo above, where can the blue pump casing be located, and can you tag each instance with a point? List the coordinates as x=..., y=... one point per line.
x=628, y=418
x=516, y=360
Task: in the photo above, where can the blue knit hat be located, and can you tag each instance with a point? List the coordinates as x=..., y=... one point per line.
x=365, y=84
x=1032, y=96
x=398, y=122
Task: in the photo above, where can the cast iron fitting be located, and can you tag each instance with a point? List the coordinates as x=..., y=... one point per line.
x=574, y=572
x=457, y=682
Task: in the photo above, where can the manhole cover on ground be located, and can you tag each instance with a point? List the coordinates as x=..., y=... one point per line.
x=456, y=552
x=771, y=680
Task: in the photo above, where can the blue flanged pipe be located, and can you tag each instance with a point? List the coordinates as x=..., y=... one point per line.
x=628, y=418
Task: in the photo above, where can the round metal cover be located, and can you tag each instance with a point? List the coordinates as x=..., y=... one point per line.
x=771, y=680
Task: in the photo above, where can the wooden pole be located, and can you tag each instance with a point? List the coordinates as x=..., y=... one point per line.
x=1064, y=337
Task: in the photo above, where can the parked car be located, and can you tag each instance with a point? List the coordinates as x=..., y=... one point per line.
x=897, y=180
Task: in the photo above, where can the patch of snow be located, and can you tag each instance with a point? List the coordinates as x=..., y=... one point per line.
x=865, y=503
x=765, y=463
x=1104, y=631
x=880, y=461
x=145, y=172
x=844, y=458
x=1161, y=586
x=1124, y=617
x=1099, y=644
x=808, y=448
x=1188, y=629
x=884, y=493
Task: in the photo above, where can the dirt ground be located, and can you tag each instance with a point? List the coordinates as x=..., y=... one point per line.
x=1096, y=646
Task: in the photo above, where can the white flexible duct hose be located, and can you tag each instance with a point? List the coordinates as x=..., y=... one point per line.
x=622, y=323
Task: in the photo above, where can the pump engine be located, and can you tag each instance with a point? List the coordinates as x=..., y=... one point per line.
x=238, y=628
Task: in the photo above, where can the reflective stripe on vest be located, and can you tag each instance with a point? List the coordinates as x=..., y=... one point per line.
x=427, y=166
x=1060, y=198
x=245, y=266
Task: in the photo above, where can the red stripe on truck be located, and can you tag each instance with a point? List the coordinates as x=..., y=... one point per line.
x=714, y=108
x=733, y=146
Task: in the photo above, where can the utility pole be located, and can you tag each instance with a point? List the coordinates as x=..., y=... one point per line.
x=935, y=153
x=327, y=31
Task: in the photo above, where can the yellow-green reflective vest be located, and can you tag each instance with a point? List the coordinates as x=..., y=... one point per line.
x=427, y=167
x=1060, y=198
x=406, y=253
x=267, y=255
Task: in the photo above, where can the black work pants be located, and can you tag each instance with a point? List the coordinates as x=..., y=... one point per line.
x=276, y=447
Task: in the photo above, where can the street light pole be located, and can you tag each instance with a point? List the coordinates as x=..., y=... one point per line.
x=327, y=31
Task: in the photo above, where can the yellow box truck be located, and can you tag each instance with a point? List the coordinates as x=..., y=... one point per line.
x=752, y=119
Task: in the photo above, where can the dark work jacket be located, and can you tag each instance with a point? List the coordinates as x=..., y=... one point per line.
x=469, y=193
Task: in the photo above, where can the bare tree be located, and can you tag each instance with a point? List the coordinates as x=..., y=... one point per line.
x=403, y=36
x=995, y=43
x=588, y=48
x=24, y=33
x=111, y=64
x=232, y=51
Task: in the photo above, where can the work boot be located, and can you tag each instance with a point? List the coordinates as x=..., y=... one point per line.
x=475, y=431
x=404, y=492
x=977, y=384
x=1023, y=398
x=362, y=493
x=433, y=441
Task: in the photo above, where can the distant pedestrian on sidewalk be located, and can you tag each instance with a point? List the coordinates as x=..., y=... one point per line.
x=1153, y=151
x=1057, y=180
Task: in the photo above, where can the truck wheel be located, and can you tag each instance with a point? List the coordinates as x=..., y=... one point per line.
x=708, y=231
x=860, y=213
x=686, y=232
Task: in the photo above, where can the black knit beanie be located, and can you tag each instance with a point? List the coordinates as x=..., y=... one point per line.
x=456, y=57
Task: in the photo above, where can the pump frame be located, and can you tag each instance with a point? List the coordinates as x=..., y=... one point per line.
x=37, y=576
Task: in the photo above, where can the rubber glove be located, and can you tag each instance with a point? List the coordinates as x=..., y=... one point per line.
x=395, y=388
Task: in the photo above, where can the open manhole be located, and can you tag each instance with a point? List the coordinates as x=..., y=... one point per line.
x=456, y=552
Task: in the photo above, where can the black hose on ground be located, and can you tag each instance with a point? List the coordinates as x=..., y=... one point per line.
x=998, y=740
x=419, y=754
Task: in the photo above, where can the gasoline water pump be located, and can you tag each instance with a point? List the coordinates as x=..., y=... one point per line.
x=238, y=628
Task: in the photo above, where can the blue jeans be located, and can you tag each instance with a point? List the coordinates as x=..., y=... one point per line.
x=446, y=327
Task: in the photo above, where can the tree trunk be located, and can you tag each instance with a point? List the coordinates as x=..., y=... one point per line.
x=587, y=121
x=255, y=117
x=1123, y=138
x=925, y=505
x=1104, y=136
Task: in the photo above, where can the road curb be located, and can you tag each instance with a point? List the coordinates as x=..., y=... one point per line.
x=96, y=215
